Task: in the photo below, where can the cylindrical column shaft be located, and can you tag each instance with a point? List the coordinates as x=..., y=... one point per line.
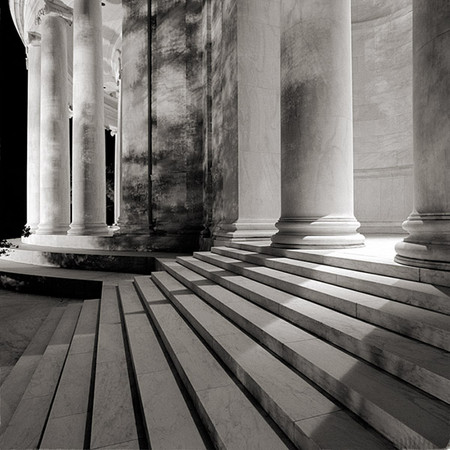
x=88, y=165
x=428, y=243
x=118, y=159
x=316, y=126
x=34, y=132
x=54, y=139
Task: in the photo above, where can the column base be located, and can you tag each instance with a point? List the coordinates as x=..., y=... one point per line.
x=243, y=231
x=49, y=228
x=317, y=233
x=97, y=229
x=428, y=243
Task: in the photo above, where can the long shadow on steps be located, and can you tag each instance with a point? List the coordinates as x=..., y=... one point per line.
x=350, y=375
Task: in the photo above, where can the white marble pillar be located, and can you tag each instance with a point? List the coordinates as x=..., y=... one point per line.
x=34, y=129
x=118, y=158
x=428, y=243
x=54, y=140
x=316, y=126
x=88, y=164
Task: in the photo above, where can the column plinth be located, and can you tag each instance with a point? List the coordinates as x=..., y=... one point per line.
x=88, y=167
x=34, y=131
x=316, y=127
x=428, y=243
x=54, y=136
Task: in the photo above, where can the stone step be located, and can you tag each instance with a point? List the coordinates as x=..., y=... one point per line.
x=66, y=425
x=113, y=415
x=231, y=418
x=435, y=298
x=421, y=324
x=405, y=415
x=27, y=423
x=422, y=365
x=305, y=415
x=352, y=260
x=18, y=379
x=168, y=420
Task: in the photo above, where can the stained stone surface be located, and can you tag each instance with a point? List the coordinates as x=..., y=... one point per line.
x=134, y=214
x=177, y=133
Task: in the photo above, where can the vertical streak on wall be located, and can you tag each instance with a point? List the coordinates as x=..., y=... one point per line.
x=134, y=215
x=207, y=126
x=216, y=111
x=177, y=124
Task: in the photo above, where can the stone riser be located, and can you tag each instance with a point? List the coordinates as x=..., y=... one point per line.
x=409, y=292
x=354, y=261
x=411, y=362
x=426, y=326
x=390, y=406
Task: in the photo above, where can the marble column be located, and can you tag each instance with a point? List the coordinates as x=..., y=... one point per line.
x=88, y=167
x=316, y=126
x=118, y=158
x=54, y=139
x=246, y=90
x=428, y=243
x=135, y=201
x=34, y=129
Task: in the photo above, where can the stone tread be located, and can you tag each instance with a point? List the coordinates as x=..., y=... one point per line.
x=427, y=326
x=399, y=412
x=232, y=421
x=411, y=292
x=168, y=420
x=284, y=395
x=353, y=261
x=113, y=418
x=14, y=385
x=66, y=426
x=420, y=364
x=26, y=425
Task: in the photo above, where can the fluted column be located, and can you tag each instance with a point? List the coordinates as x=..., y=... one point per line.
x=316, y=126
x=34, y=129
x=88, y=168
x=54, y=140
x=428, y=243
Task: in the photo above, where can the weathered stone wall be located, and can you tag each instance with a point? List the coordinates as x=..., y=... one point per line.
x=136, y=192
x=177, y=123
x=382, y=113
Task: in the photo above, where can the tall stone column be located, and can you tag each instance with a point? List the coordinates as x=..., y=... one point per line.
x=246, y=118
x=316, y=126
x=118, y=158
x=54, y=140
x=428, y=243
x=34, y=129
x=88, y=165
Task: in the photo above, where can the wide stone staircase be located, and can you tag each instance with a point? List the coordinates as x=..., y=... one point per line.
x=243, y=347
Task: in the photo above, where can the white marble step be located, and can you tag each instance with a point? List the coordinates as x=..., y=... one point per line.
x=14, y=385
x=352, y=260
x=422, y=365
x=168, y=420
x=113, y=418
x=435, y=298
x=66, y=425
x=309, y=418
x=27, y=423
x=405, y=415
x=232, y=420
x=424, y=325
